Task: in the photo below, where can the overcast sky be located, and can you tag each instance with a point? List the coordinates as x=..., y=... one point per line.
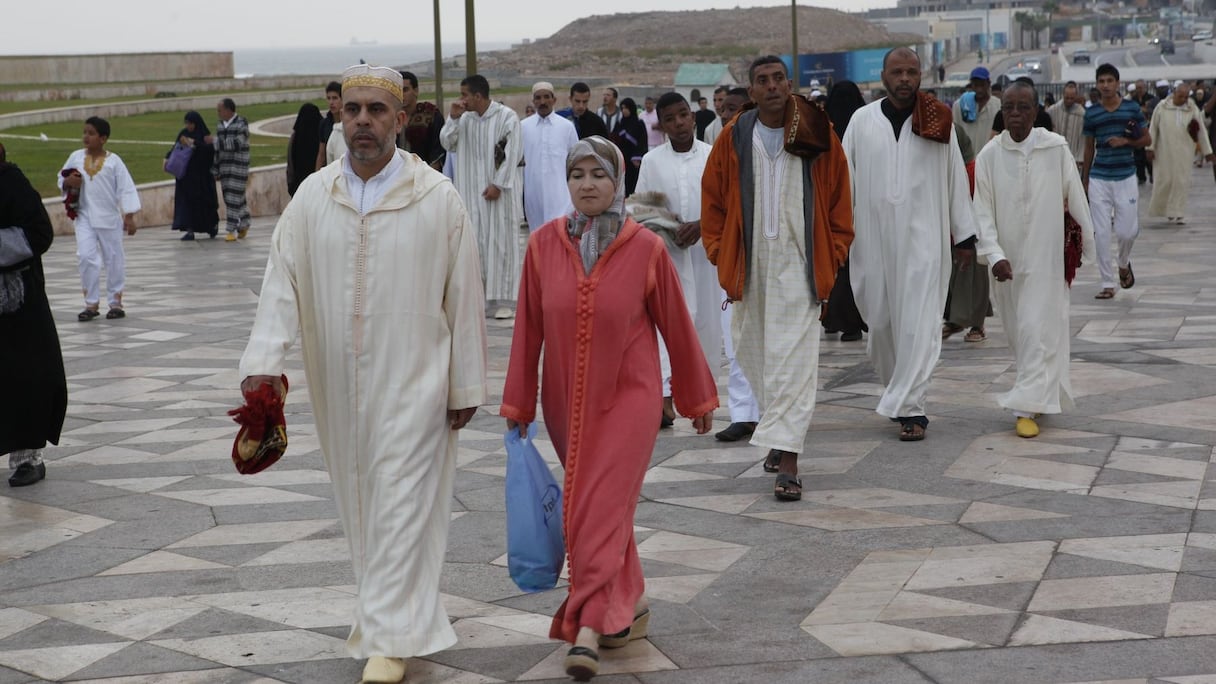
x=80, y=26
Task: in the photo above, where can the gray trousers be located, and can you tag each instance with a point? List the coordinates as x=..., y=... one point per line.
x=967, y=304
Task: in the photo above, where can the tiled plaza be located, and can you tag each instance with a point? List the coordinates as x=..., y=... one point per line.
x=973, y=557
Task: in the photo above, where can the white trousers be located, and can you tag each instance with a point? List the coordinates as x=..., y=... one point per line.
x=742, y=403
x=23, y=456
x=699, y=281
x=1114, y=204
x=95, y=246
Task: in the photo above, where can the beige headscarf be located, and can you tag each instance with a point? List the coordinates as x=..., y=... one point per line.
x=593, y=234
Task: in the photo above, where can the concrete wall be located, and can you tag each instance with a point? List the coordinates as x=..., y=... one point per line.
x=115, y=68
x=205, y=104
x=266, y=193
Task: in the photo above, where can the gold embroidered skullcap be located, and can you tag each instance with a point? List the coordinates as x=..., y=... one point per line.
x=368, y=76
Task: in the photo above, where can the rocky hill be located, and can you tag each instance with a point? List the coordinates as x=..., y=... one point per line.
x=647, y=47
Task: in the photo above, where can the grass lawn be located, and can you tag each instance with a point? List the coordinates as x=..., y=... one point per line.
x=142, y=141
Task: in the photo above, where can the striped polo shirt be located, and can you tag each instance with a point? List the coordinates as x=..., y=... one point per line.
x=1113, y=163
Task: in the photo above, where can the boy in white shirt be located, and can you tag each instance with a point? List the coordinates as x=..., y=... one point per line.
x=108, y=202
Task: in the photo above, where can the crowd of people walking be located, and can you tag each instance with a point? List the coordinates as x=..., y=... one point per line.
x=681, y=242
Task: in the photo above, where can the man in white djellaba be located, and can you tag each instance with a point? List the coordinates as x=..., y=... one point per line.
x=1024, y=181
x=375, y=263
x=1177, y=129
x=485, y=136
x=910, y=197
x=548, y=138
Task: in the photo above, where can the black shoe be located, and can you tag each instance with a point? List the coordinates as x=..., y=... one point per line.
x=213, y=232
x=735, y=432
x=582, y=663
x=665, y=422
x=851, y=336
x=27, y=474
x=187, y=237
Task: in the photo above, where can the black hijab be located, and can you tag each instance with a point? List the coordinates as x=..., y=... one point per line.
x=305, y=139
x=200, y=128
x=844, y=99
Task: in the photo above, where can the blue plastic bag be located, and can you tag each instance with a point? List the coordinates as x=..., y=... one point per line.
x=535, y=548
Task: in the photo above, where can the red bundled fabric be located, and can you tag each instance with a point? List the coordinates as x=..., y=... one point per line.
x=262, y=438
x=1192, y=129
x=71, y=202
x=1072, y=247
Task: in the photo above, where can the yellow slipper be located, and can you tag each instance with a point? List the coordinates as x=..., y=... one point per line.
x=231, y=237
x=381, y=670
x=1027, y=427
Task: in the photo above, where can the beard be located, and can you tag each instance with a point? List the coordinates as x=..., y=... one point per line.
x=363, y=154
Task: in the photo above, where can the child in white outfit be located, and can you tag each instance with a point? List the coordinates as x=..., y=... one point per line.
x=108, y=202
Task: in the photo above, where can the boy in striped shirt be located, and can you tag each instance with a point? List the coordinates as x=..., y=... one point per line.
x=1113, y=128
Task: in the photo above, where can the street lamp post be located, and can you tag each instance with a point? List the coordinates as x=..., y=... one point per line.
x=794, y=55
x=470, y=40
x=438, y=61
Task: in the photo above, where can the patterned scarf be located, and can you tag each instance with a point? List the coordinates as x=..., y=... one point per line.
x=592, y=235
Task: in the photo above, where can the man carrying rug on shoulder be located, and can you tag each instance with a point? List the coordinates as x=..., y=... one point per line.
x=777, y=220
x=910, y=196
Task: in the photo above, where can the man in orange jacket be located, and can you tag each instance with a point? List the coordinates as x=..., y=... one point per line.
x=777, y=221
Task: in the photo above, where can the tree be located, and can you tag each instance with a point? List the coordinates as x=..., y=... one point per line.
x=1050, y=7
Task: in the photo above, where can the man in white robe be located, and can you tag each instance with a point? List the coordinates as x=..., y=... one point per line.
x=374, y=263
x=1023, y=182
x=777, y=222
x=486, y=138
x=548, y=138
x=1177, y=128
x=675, y=170
x=910, y=195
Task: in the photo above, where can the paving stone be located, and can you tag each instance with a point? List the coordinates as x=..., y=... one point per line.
x=142, y=659
x=917, y=552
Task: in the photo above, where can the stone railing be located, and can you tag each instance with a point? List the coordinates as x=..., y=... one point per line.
x=266, y=193
x=234, y=87
x=204, y=104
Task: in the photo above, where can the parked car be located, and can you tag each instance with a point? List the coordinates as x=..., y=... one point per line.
x=1013, y=75
x=958, y=79
x=1080, y=57
x=1167, y=47
x=1034, y=66
x=1202, y=35
x=1154, y=41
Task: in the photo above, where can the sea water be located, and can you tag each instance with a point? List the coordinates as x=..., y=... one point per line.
x=333, y=59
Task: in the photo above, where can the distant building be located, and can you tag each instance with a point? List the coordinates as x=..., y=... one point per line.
x=703, y=78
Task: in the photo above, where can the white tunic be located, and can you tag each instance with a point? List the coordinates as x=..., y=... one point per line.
x=1020, y=194
x=391, y=318
x=678, y=176
x=909, y=197
x=105, y=197
x=775, y=327
x=547, y=141
x=1175, y=152
x=473, y=138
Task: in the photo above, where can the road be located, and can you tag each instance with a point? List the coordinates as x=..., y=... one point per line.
x=1140, y=60
x=1045, y=58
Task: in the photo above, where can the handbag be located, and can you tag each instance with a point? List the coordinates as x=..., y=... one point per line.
x=178, y=159
x=535, y=548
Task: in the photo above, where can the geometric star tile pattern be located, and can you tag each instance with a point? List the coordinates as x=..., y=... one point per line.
x=144, y=558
